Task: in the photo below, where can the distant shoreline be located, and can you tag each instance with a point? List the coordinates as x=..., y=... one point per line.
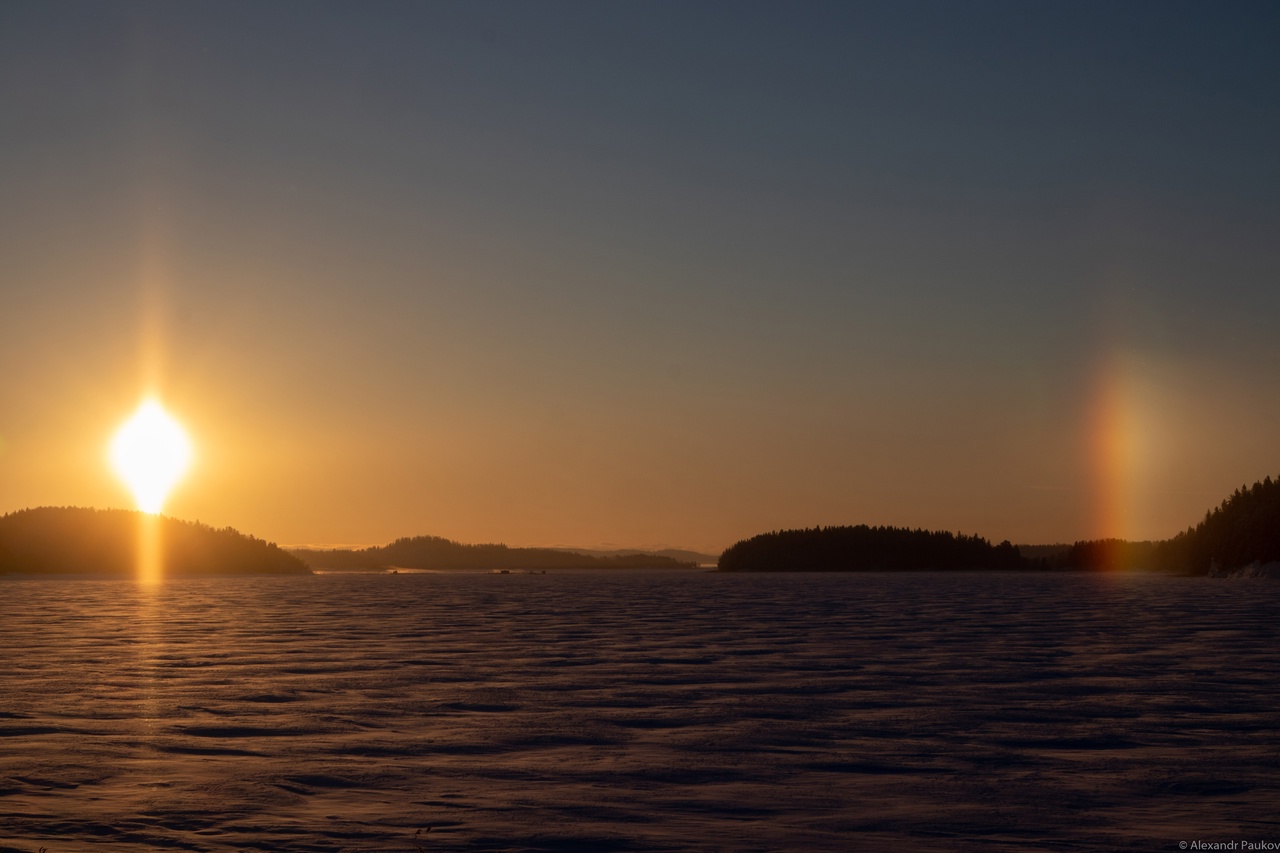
x=434, y=552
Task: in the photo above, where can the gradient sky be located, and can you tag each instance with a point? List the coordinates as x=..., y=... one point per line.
x=645, y=273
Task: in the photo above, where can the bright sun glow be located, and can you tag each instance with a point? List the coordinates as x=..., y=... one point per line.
x=150, y=452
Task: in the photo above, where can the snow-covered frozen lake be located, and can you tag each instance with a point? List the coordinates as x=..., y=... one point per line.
x=639, y=711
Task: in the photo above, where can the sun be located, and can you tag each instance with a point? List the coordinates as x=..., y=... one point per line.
x=150, y=452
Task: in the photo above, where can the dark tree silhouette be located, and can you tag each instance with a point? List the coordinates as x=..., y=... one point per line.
x=1110, y=555
x=78, y=540
x=863, y=548
x=1243, y=529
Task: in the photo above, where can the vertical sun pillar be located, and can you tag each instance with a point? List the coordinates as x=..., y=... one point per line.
x=150, y=452
x=150, y=561
x=1117, y=446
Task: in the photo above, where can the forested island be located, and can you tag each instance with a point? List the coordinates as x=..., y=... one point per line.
x=867, y=549
x=1241, y=535
x=437, y=553
x=85, y=541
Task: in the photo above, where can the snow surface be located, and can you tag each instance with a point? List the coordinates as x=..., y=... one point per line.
x=638, y=711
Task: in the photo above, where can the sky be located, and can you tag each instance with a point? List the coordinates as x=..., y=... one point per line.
x=645, y=273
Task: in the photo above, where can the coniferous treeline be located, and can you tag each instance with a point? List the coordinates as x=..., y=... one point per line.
x=867, y=549
x=81, y=540
x=1244, y=529
x=1106, y=555
x=435, y=552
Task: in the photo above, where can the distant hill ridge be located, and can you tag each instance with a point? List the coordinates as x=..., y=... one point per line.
x=682, y=555
x=435, y=552
x=82, y=540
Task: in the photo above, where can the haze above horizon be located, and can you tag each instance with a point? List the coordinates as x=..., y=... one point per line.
x=645, y=273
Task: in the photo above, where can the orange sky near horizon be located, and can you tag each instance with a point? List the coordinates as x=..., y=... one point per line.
x=282, y=454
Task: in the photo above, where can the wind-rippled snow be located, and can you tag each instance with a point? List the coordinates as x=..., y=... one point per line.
x=638, y=711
